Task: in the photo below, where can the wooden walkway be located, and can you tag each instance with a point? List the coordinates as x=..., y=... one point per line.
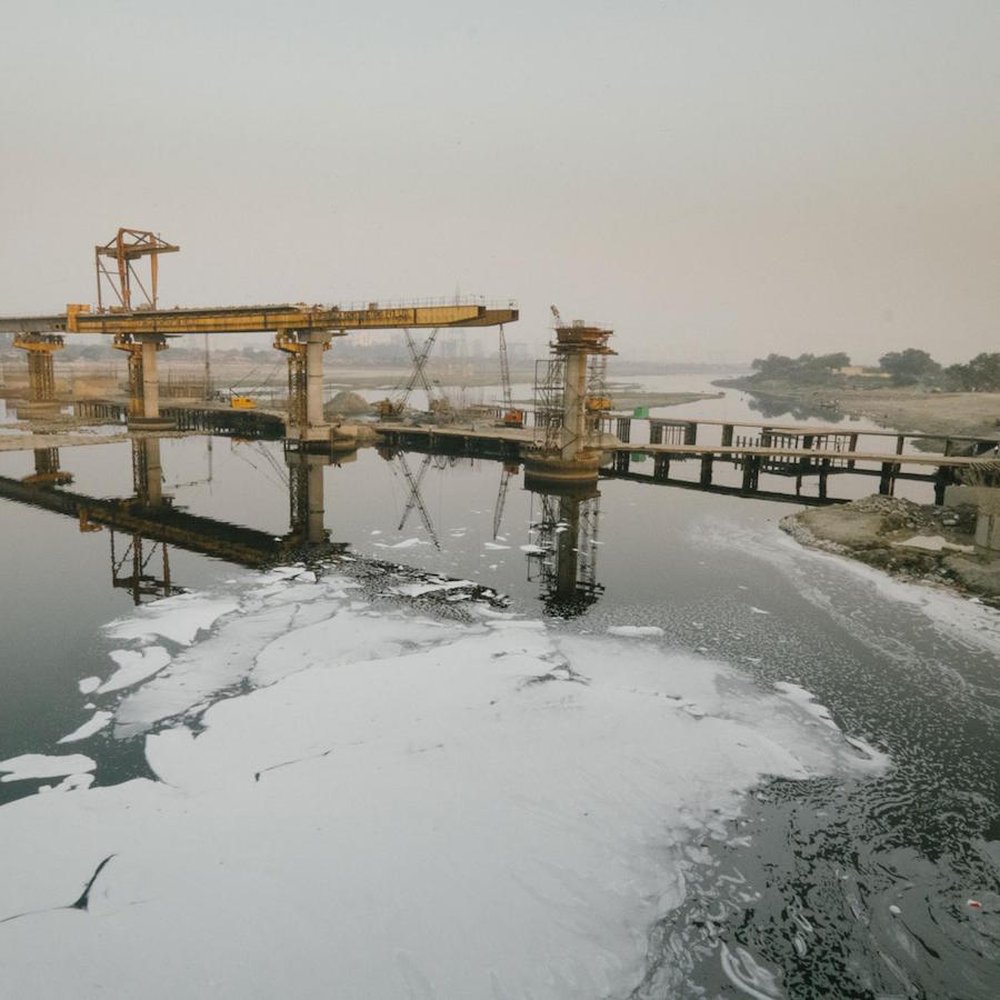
x=821, y=456
x=752, y=460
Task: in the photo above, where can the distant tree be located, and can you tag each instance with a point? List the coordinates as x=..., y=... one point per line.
x=909, y=366
x=981, y=374
x=834, y=361
x=804, y=368
x=773, y=366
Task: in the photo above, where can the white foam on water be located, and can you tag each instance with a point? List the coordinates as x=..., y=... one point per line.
x=386, y=805
x=635, y=630
x=89, y=684
x=427, y=587
x=179, y=618
x=134, y=666
x=406, y=543
x=73, y=782
x=94, y=724
x=40, y=765
x=952, y=615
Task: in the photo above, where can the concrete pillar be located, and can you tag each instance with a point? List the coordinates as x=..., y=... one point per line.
x=567, y=548
x=305, y=384
x=150, y=378
x=574, y=406
x=147, y=471
x=315, y=532
x=305, y=496
x=154, y=471
x=316, y=344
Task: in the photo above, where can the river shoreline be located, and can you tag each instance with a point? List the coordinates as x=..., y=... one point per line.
x=910, y=410
x=923, y=544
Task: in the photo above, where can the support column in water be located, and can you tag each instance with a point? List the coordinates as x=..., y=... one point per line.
x=147, y=471
x=151, y=377
x=574, y=428
x=578, y=404
x=143, y=378
x=316, y=426
x=305, y=349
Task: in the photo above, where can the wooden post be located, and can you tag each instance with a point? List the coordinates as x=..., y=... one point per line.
x=727, y=435
x=824, y=472
x=661, y=466
x=691, y=433
x=942, y=478
x=706, y=469
x=852, y=446
x=655, y=432
x=887, y=481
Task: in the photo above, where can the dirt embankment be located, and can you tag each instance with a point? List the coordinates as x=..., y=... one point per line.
x=933, y=545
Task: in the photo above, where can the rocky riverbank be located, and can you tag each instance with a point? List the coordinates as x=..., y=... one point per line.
x=924, y=544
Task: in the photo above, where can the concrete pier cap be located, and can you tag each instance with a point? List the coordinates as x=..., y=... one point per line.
x=542, y=470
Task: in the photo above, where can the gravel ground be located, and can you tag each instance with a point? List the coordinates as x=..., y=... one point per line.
x=925, y=544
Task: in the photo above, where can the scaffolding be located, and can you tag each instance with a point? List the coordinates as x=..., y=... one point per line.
x=40, y=348
x=133, y=569
x=549, y=396
x=563, y=553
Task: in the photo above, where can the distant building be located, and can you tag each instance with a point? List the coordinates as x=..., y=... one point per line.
x=859, y=371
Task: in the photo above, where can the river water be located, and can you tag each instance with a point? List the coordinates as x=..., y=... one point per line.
x=876, y=881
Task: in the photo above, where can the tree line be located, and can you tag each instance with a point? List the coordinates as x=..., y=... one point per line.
x=905, y=368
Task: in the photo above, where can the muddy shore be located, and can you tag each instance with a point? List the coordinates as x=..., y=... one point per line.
x=922, y=544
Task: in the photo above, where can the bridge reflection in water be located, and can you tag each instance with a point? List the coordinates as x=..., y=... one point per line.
x=142, y=528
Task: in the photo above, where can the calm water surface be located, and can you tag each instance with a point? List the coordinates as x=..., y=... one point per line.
x=854, y=888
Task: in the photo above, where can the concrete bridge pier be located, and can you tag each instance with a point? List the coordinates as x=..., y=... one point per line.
x=147, y=471
x=306, y=501
x=143, y=379
x=305, y=349
x=570, y=405
x=565, y=561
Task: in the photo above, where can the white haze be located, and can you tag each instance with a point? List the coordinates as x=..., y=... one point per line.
x=716, y=179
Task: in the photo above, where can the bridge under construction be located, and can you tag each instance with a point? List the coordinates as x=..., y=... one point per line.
x=128, y=311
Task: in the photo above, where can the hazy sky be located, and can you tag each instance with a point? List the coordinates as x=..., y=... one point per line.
x=716, y=179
